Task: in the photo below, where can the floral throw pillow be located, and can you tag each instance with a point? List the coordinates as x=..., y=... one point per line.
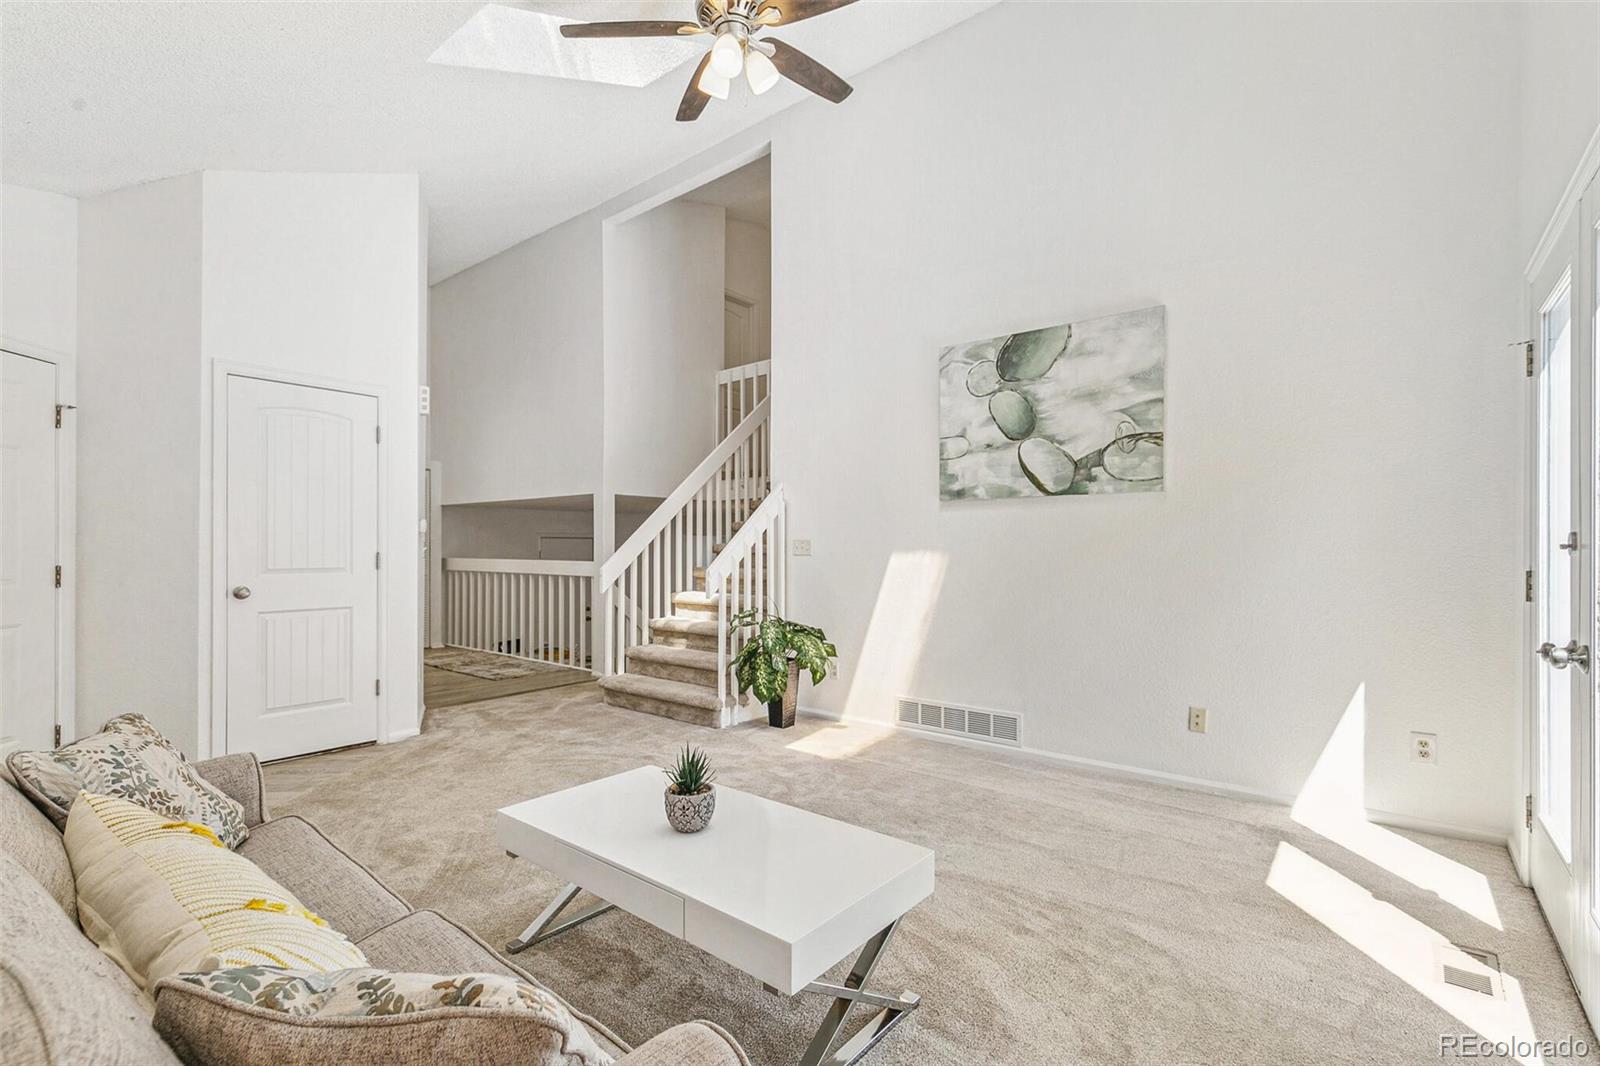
x=345, y=998
x=131, y=760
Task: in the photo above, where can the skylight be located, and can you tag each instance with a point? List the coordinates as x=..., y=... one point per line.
x=530, y=42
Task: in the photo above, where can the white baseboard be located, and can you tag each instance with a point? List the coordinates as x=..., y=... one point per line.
x=1162, y=777
x=402, y=734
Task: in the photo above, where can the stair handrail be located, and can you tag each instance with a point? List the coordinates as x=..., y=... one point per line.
x=652, y=526
x=763, y=540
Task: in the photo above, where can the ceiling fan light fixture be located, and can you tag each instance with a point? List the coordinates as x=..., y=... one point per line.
x=713, y=84
x=727, y=56
x=759, y=71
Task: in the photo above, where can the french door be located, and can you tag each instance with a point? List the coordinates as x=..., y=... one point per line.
x=1564, y=840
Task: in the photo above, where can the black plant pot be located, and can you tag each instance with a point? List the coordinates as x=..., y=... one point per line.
x=780, y=713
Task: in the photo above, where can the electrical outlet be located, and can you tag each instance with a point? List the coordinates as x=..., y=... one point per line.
x=1424, y=747
x=1197, y=719
x=801, y=546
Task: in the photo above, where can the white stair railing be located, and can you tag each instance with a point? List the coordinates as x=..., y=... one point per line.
x=739, y=389
x=749, y=572
x=529, y=608
x=658, y=561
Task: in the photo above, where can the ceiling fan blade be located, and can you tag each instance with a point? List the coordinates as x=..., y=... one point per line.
x=694, y=101
x=628, y=29
x=807, y=72
x=788, y=11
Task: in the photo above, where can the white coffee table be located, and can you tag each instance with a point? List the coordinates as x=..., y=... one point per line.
x=776, y=891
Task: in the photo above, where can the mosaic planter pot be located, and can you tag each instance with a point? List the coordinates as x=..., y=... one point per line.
x=692, y=813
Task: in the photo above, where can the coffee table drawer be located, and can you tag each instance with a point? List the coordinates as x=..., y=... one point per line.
x=638, y=897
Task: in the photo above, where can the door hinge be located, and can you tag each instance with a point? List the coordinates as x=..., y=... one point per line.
x=377, y=560
x=63, y=407
x=58, y=736
x=1527, y=811
x=377, y=434
x=1527, y=355
x=377, y=687
x=58, y=576
x=1527, y=586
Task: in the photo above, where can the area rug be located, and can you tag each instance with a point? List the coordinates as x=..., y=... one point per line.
x=484, y=664
x=1077, y=918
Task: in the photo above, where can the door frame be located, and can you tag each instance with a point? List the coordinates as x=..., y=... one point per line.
x=1520, y=842
x=213, y=719
x=66, y=708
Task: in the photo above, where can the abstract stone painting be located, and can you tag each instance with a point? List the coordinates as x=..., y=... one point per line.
x=1063, y=411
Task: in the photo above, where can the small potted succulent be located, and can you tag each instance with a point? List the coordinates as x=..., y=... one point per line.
x=690, y=797
x=770, y=662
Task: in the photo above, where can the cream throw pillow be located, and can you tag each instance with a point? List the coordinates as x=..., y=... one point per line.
x=163, y=897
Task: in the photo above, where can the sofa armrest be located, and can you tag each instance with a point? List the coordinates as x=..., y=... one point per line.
x=239, y=776
x=690, y=1044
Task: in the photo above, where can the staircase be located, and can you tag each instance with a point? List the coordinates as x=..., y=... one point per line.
x=713, y=548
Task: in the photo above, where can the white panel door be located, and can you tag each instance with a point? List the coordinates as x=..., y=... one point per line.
x=28, y=518
x=302, y=586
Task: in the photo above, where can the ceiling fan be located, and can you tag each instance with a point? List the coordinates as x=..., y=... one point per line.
x=735, y=24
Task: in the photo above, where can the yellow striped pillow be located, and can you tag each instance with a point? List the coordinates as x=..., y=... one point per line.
x=163, y=897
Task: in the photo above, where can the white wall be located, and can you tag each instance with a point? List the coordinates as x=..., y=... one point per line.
x=477, y=532
x=319, y=274
x=39, y=271
x=515, y=365
x=39, y=317
x=139, y=451
x=1322, y=198
x=663, y=345
x=748, y=273
x=1560, y=105
x=304, y=274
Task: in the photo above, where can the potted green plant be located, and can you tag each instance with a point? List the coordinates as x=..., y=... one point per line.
x=769, y=664
x=690, y=798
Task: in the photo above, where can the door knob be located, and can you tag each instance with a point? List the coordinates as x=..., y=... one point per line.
x=1562, y=656
x=241, y=592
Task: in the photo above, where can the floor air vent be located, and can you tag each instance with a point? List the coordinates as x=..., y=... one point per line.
x=1473, y=969
x=999, y=727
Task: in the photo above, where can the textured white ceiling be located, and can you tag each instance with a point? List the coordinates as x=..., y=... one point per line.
x=97, y=96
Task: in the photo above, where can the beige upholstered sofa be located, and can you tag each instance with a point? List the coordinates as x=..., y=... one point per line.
x=64, y=1002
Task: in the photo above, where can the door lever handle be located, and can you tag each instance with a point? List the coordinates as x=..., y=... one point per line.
x=1571, y=543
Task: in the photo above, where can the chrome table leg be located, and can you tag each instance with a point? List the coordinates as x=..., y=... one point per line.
x=542, y=929
x=853, y=991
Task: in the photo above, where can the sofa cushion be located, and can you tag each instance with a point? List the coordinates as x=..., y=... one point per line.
x=62, y=1002
x=30, y=838
x=428, y=942
x=163, y=897
x=129, y=759
x=295, y=854
x=263, y=1015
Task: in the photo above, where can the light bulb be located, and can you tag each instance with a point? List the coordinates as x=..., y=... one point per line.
x=713, y=84
x=759, y=71
x=727, y=56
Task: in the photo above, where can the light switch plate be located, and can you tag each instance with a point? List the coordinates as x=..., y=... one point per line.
x=800, y=546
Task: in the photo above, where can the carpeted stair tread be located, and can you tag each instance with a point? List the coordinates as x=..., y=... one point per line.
x=671, y=699
x=688, y=658
x=696, y=627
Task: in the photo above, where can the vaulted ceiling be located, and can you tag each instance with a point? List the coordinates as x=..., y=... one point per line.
x=97, y=96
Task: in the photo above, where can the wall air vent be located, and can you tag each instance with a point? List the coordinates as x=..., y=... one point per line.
x=997, y=727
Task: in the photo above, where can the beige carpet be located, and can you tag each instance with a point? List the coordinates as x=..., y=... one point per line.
x=1078, y=918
